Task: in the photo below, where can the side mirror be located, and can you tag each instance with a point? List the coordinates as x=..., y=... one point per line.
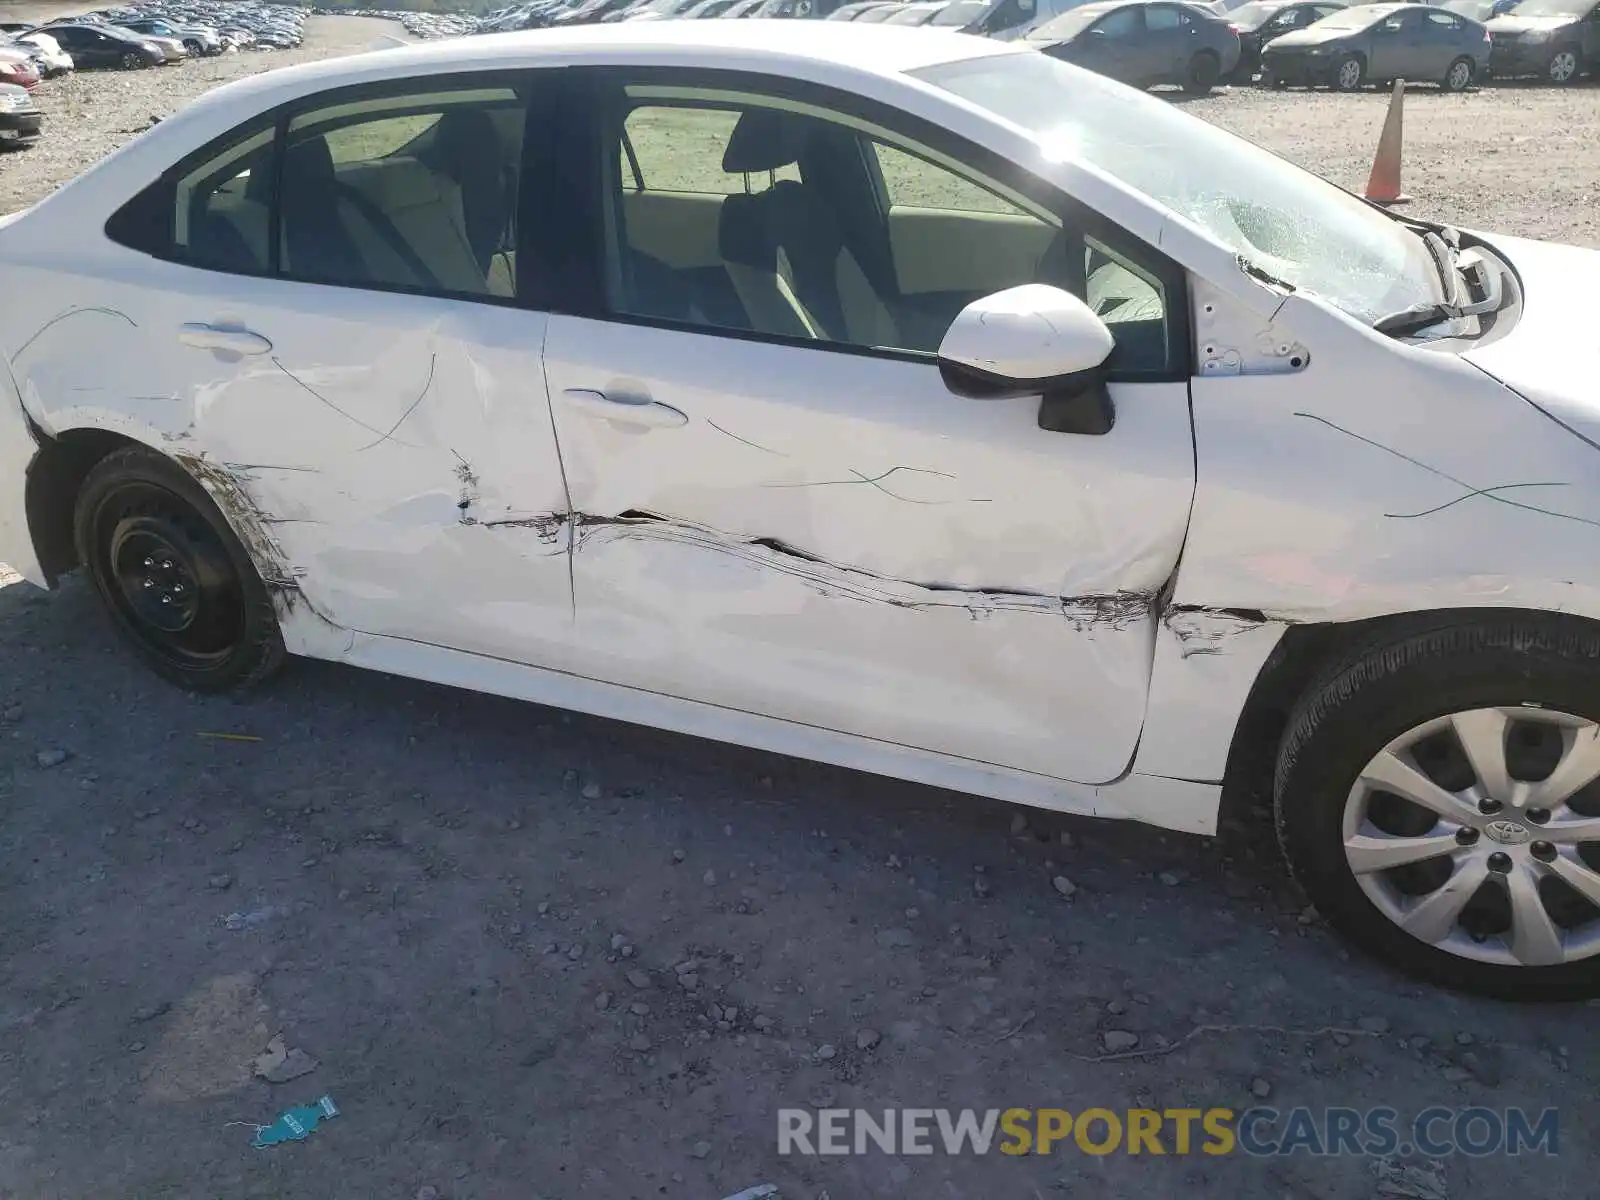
x=1033, y=340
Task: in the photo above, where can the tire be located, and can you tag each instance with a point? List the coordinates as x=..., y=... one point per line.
x=1459, y=77
x=1522, y=682
x=1564, y=67
x=1205, y=70
x=193, y=46
x=133, y=62
x=178, y=584
x=1349, y=73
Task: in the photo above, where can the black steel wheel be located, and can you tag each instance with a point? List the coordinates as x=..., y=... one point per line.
x=177, y=583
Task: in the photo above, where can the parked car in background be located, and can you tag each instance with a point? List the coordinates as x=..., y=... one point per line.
x=958, y=14
x=1260, y=21
x=1554, y=40
x=588, y=13
x=1377, y=43
x=172, y=49
x=17, y=68
x=47, y=53
x=915, y=14
x=797, y=9
x=880, y=13
x=660, y=10
x=740, y=9
x=20, y=64
x=198, y=40
x=101, y=46
x=852, y=11
x=1144, y=43
x=1481, y=11
x=20, y=119
x=1010, y=19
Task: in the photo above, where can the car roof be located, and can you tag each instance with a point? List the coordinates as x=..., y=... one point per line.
x=757, y=43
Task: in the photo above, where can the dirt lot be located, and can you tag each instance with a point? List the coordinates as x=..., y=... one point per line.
x=540, y=955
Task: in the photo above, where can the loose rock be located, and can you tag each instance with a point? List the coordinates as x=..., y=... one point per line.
x=52, y=758
x=1064, y=887
x=639, y=979
x=866, y=1039
x=1117, y=1041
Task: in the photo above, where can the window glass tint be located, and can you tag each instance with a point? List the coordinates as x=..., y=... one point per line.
x=816, y=256
x=682, y=149
x=916, y=183
x=1159, y=18
x=1124, y=22
x=222, y=210
x=415, y=192
x=1443, y=19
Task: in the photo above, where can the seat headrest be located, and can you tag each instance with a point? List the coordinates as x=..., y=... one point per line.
x=744, y=232
x=466, y=135
x=764, y=139
x=310, y=161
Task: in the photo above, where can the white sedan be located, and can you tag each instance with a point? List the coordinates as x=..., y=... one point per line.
x=894, y=398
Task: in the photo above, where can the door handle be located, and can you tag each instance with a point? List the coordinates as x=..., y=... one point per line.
x=646, y=413
x=222, y=337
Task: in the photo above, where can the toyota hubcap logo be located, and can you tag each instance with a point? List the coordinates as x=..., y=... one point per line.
x=1509, y=833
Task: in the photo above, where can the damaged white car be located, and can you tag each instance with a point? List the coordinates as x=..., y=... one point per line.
x=888, y=397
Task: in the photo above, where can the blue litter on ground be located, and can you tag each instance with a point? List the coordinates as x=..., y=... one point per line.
x=296, y=1124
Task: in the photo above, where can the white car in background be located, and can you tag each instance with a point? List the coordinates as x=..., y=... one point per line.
x=899, y=399
x=51, y=57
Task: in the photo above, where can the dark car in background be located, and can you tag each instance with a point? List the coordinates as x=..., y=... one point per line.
x=1378, y=43
x=1260, y=21
x=102, y=46
x=1144, y=42
x=1554, y=40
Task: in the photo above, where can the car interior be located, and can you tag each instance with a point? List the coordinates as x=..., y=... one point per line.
x=436, y=212
x=813, y=229
x=742, y=217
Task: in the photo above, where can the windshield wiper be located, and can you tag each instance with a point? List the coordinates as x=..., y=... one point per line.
x=1460, y=304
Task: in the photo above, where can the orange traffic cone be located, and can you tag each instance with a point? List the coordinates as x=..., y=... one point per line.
x=1383, y=185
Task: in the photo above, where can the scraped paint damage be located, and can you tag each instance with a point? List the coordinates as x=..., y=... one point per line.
x=1204, y=630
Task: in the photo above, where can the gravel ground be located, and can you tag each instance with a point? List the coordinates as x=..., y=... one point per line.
x=1511, y=158
x=531, y=954
x=88, y=114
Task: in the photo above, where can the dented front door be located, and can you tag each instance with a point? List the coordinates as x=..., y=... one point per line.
x=837, y=540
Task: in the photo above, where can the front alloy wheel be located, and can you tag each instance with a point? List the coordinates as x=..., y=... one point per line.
x=132, y=61
x=1563, y=67
x=1438, y=797
x=1463, y=831
x=1348, y=75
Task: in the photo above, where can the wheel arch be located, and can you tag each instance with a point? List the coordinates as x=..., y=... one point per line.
x=1294, y=665
x=54, y=478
